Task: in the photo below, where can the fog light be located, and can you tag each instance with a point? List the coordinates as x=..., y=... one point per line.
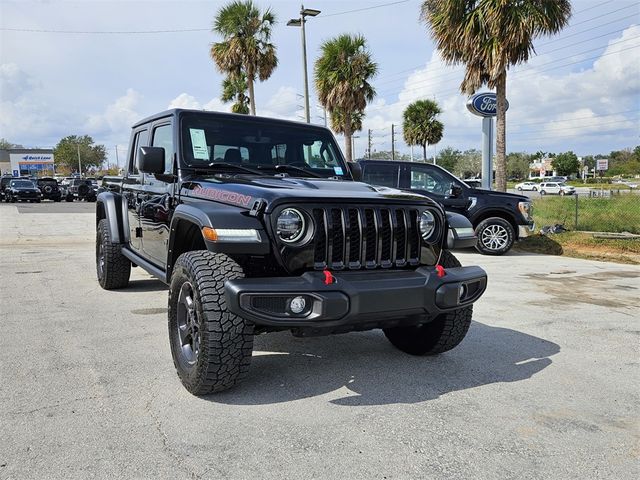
x=462, y=291
x=297, y=305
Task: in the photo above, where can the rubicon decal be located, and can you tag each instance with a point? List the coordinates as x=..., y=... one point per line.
x=223, y=196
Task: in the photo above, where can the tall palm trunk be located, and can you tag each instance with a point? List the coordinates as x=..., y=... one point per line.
x=252, y=97
x=501, y=123
x=347, y=139
x=424, y=152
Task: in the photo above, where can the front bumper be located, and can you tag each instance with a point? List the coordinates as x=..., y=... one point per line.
x=525, y=231
x=26, y=195
x=356, y=300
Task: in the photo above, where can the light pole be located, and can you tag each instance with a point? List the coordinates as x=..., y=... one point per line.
x=79, y=164
x=299, y=22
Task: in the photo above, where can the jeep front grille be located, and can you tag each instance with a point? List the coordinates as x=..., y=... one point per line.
x=365, y=237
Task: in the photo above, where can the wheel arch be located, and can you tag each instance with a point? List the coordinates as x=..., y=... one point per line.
x=109, y=207
x=185, y=233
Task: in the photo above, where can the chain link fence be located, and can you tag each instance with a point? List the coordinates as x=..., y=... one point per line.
x=593, y=211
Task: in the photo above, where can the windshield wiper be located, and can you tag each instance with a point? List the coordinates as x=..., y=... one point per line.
x=286, y=167
x=235, y=166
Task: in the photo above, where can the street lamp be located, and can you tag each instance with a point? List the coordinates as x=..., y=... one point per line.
x=299, y=22
x=79, y=164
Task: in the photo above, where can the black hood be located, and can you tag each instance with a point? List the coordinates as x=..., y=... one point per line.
x=244, y=190
x=503, y=195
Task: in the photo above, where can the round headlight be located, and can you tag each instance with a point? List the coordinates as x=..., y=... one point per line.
x=427, y=225
x=290, y=225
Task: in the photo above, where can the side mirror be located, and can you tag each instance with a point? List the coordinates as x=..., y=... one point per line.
x=455, y=191
x=151, y=160
x=356, y=171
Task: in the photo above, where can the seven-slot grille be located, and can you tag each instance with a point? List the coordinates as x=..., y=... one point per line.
x=365, y=237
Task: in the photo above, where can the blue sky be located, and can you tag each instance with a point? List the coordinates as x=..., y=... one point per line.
x=582, y=92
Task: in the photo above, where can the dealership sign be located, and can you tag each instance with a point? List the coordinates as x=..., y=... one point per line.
x=602, y=164
x=484, y=104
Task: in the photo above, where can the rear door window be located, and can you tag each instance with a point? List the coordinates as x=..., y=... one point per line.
x=384, y=174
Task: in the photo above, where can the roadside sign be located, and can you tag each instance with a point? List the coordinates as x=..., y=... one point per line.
x=484, y=104
x=16, y=173
x=602, y=164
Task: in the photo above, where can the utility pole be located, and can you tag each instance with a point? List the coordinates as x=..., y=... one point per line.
x=393, y=143
x=369, y=149
x=79, y=164
x=117, y=161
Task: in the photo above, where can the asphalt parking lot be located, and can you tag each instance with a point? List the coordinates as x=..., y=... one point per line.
x=546, y=384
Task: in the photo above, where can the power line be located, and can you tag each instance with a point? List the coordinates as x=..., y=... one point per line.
x=554, y=40
x=174, y=30
x=361, y=9
x=536, y=55
x=518, y=73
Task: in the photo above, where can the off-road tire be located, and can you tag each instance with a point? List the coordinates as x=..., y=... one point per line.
x=439, y=335
x=495, y=236
x=225, y=340
x=116, y=268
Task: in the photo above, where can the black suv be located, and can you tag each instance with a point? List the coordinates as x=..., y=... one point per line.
x=49, y=188
x=80, y=189
x=21, y=190
x=257, y=225
x=4, y=183
x=499, y=219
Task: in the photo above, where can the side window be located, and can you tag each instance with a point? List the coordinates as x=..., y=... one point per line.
x=430, y=180
x=140, y=140
x=163, y=137
x=385, y=175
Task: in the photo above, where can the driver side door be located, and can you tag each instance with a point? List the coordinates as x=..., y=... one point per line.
x=436, y=184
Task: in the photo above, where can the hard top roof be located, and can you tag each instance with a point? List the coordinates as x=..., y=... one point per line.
x=175, y=112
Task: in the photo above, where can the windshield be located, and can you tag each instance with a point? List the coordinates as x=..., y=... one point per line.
x=298, y=151
x=22, y=184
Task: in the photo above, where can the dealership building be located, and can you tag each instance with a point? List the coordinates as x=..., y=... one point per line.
x=27, y=161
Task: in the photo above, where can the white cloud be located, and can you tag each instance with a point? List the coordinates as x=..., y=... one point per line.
x=117, y=116
x=549, y=107
x=14, y=82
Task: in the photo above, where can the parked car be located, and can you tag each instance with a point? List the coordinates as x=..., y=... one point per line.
x=556, y=188
x=80, y=189
x=498, y=219
x=530, y=186
x=276, y=235
x=49, y=189
x=20, y=190
x=4, y=183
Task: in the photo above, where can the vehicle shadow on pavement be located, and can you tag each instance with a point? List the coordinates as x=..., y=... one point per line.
x=365, y=369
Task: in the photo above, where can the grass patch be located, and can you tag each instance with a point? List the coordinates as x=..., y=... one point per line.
x=615, y=214
x=583, y=245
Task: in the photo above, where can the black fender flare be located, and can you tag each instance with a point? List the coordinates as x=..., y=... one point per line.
x=460, y=233
x=110, y=206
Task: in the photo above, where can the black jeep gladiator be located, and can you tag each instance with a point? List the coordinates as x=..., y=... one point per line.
x=258, y=225
x=50, y=189
x=499, y=219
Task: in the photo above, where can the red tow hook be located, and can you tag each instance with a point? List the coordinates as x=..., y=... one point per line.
x=328, y=278
x=440, y=270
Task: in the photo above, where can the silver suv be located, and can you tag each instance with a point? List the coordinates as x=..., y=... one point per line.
x=557, y=188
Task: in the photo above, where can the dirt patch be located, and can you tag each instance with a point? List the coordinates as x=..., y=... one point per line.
x=590, y=288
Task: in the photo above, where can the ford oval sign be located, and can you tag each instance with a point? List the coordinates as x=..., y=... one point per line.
x=484, y=104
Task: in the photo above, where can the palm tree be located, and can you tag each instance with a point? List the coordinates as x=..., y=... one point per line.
x=245, y=46
x=489, y=36
x=420, y=125
x=234, y=89
x=342, y=74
